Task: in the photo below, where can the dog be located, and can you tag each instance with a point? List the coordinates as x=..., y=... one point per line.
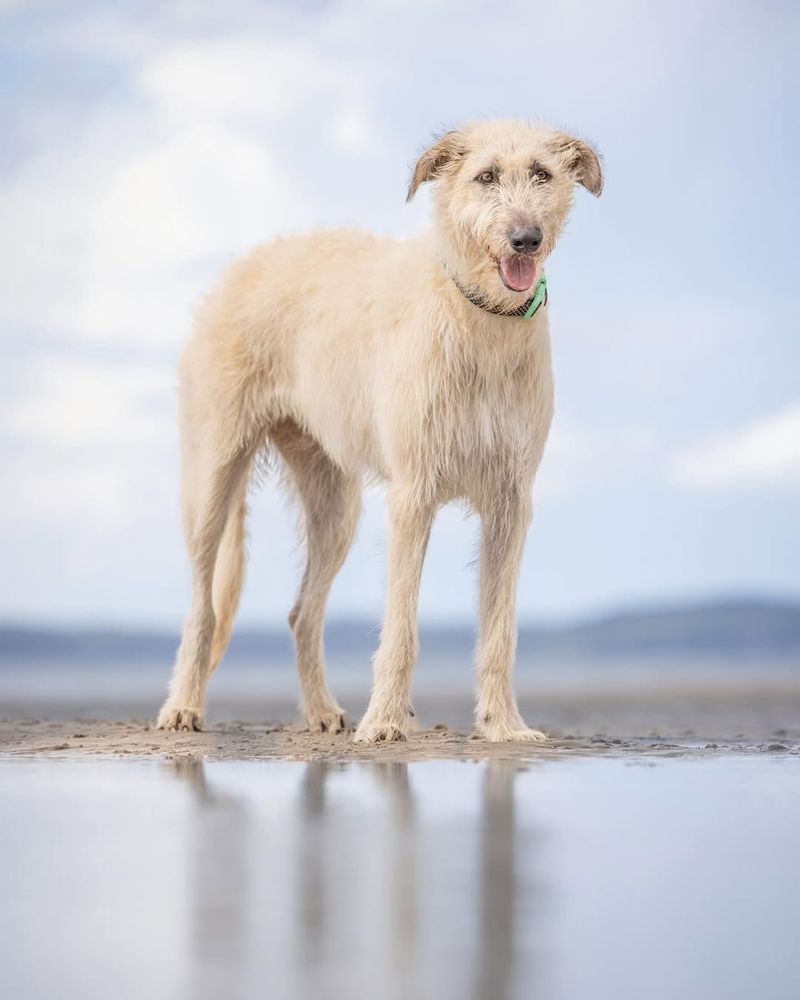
x=422, y=363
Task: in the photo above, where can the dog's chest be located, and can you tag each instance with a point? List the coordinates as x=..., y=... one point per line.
x=486, y=421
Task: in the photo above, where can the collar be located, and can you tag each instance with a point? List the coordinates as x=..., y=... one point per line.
x=526, y=311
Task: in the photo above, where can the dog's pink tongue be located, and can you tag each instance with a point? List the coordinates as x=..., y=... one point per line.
x=518, y=272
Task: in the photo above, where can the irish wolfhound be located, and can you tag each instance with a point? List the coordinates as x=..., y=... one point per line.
x=424, y=363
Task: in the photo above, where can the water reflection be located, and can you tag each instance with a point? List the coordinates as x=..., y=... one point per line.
x=274, y=879
x=497, y=883
x=357, y=894
x=218, y=890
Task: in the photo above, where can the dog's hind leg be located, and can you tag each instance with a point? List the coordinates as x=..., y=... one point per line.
x=331, y=502
x=214, y=485
x=229, y=573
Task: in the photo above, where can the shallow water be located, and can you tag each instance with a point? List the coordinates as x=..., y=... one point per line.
x=566, y=879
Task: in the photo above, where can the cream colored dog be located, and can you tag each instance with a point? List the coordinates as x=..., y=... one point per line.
x=424, y=363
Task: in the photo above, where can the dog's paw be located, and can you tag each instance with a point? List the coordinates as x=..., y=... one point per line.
x=379, y=732
x=327, y=720
x=510, y=734
x=185, y=720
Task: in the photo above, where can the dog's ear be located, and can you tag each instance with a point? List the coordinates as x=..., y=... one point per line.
x=433, y=162
x=581, y=160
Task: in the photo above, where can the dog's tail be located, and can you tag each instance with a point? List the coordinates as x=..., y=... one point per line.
x=229, y=573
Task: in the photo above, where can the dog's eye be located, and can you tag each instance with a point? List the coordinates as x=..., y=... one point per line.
x=486, y=177
x=540, y=175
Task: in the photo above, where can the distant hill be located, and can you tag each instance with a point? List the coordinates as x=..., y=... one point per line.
x=729, y=629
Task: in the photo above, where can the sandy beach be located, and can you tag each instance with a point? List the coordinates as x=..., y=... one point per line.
x=253, y=741
x=660, y=716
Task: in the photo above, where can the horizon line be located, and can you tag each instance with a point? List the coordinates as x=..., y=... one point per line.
x=775, y=600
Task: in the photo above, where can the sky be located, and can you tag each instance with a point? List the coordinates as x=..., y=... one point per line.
x=145, y=145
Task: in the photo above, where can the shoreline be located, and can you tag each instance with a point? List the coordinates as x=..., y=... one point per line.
x=34, y=738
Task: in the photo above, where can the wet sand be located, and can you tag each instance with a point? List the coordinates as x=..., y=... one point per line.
x=253, y=741
x=660, y=717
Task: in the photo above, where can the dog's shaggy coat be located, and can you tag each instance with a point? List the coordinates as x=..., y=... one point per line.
x=349, y=356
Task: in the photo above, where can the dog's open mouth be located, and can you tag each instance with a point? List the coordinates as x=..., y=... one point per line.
x=517, y=272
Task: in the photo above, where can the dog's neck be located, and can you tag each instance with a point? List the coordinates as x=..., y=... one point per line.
x=527, y=310
x=473, y=294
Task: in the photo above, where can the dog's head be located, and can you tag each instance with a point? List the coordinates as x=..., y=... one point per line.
x=503, y=192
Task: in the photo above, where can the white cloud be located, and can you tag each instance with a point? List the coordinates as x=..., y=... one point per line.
x=765, y=454
x=581, y=460
x=237, y=78
x=352, y=131
x=126, y=222
x=199, y=194
x=74, y=402
x=97, y=447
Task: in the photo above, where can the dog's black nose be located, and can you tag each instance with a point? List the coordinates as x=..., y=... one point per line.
x=525, y=239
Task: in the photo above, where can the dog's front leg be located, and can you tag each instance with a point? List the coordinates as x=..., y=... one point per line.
x=504, y=524
x=389, y=711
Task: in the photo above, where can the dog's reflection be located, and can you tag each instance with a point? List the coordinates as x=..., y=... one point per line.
x=497, y=884
x=219, y=885
x=366, y=900
x=336, y=917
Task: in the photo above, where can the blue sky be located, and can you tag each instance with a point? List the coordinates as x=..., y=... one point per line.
x=145, y=145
